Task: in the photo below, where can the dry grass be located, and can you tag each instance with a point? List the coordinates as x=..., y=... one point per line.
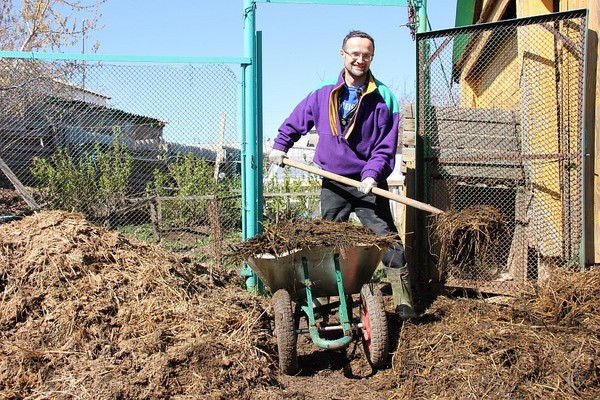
x=543, y=346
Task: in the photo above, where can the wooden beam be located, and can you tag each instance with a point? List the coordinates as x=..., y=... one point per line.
x=18, y=185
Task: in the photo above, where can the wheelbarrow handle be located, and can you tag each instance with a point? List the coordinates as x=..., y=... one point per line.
x=351, y=182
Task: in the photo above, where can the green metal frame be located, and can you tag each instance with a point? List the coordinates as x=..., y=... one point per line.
x=124, y=58
x=308, y=309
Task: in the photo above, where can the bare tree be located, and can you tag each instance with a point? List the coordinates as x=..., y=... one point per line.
x=28, y=25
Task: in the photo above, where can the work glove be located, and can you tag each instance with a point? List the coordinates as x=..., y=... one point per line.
x=276, y=157
x=366, y=185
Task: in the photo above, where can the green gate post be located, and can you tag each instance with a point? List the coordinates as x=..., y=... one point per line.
x=251, y=143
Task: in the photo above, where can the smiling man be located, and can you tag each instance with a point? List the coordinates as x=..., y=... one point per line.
x=356, y=117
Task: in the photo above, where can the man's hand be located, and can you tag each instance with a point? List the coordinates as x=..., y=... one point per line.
x=276, y=157
x=366, y=185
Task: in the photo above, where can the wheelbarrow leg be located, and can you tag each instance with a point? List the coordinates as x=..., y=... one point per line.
x=343, y=310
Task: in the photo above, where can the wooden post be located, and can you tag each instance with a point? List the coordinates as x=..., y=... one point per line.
x=220, y=152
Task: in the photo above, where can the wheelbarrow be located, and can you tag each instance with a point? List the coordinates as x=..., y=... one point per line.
x=300, y=280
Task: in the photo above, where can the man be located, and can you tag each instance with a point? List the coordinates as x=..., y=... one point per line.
x=356, y=118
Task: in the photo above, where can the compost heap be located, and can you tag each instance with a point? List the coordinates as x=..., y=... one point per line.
x=290, y=235
x=468, y=241
x=87, y=313
x=90, y=313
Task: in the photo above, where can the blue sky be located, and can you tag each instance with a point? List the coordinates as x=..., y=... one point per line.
x=301, y=42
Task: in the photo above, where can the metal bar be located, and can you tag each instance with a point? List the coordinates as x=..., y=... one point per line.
x=330, y=328
x=402, y=3
x=259, y=131
x=506, y=157
x=248, y=139
x=343, y=308
x=312, y=325
x=124, y=58
x=584, y=138
x=507, y=23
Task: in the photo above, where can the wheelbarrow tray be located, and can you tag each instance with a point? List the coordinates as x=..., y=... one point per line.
x=357, y=265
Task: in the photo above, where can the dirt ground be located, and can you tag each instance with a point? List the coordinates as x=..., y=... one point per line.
x=87, y=313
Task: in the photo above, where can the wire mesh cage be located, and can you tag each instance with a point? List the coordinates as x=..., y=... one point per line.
x=500, y=117
x=138, y=146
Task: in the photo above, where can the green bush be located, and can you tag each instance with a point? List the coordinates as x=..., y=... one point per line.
x=189, y=175
x=298, y=199
x=93, y=184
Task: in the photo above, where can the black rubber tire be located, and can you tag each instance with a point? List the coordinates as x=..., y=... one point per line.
x=285, y=331
x=375, y=329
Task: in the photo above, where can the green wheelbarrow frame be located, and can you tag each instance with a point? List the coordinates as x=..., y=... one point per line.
x=307, y=274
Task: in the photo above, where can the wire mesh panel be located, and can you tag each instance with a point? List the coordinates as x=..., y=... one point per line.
x=131, y=145
x=500, y=124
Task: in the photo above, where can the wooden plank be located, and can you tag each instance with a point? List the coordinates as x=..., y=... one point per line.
x=458, y=140
x=493, y=11
x=408, y=124
x=517, y=257
x=408, y=138
x=507, y=288
x=475, y=115
x=481, y=143
x=220, y=151
x=482, y=171
x=408, y=153
x=18, y=185
x=488, y=128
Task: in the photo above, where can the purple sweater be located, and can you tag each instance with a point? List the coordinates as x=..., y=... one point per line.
x=365, y=148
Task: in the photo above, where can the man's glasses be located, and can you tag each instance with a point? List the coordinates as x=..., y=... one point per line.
x=357, y=56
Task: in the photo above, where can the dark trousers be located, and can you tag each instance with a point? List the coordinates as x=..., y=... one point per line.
x=339, y=200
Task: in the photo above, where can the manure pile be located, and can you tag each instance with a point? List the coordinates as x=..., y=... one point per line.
x=87, y=313
x=544, y=345
x=468, y=241
x=291, y=235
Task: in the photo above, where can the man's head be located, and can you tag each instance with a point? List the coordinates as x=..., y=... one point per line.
x=357, y=52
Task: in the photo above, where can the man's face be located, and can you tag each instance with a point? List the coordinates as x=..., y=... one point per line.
x=357, y=56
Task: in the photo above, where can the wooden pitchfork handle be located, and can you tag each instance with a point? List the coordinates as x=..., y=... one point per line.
x=351, y=182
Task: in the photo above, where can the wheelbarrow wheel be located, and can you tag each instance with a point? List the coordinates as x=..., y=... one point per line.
x=285, y=332
x=375, y=330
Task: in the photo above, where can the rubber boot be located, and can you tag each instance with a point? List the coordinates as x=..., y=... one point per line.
x=401, y=292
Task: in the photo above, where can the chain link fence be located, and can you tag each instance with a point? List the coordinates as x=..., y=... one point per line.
x=500, y=111
x=151, y=148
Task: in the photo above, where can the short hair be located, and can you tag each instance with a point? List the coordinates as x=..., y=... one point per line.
x=360, y=34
